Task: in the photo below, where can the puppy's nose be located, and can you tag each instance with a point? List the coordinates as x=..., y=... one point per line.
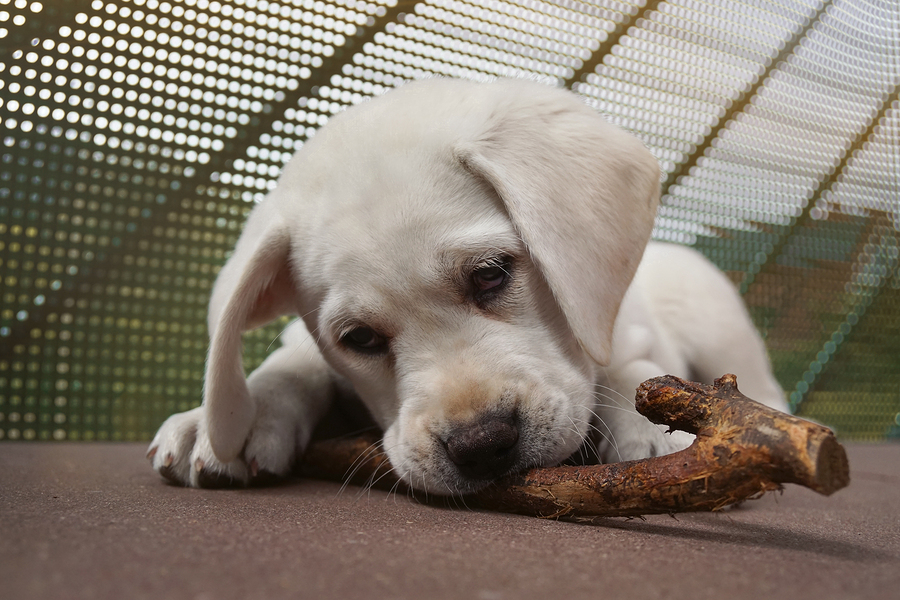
x=485, y=449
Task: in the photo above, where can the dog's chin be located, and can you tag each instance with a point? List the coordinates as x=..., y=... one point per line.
x=454, y=485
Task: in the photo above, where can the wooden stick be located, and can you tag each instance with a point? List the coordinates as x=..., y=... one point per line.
x=742, y=450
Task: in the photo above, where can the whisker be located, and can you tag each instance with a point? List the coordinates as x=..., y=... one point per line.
x=278, y=336
x=359, y=462
x=424, y=486
x=309, y=342
x=394, y=488
x=286, y=327
x=586, y=439
x=375, y=477
x=628, y=401
x=630, y=411
x=610, y=439
x=387, y=472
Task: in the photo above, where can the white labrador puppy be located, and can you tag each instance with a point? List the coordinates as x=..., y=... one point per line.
x=468, y=258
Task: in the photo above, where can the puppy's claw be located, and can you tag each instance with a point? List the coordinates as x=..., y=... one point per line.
x=168, y=461
x=199, y=464
x=152, y=452
x=254, y=468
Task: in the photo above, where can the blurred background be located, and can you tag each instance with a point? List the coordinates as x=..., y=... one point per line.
x=137, y=135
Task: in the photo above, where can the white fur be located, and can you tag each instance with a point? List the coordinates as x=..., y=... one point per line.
x=379, y=222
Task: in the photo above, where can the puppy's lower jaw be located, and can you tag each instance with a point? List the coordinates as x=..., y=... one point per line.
x=492, y=450
x=466, y=453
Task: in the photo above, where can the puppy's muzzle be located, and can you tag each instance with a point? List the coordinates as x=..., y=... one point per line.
x=485, y=449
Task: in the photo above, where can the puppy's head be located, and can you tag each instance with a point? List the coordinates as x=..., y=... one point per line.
x=459, y=252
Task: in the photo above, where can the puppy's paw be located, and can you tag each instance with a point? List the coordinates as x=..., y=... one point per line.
x=181, y=453
x=673, y=442
x=170, y=450
x=643, y=441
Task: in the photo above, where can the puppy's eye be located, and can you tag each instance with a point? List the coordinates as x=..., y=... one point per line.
x=490, y=278
x=364, y=340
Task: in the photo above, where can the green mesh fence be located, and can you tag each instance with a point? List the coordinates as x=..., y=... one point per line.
x=136, y=135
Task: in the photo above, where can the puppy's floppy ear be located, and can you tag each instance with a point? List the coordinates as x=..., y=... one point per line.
x=254, y=287
x=581, y=193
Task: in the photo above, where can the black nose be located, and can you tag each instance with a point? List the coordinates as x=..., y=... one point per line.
x=485, y=449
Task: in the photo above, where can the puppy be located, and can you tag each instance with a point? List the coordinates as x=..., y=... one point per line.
x=472, y=262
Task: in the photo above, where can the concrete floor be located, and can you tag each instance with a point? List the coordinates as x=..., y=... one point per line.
x=81, y=520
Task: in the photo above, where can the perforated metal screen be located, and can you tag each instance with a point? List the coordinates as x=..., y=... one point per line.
x=138, y=134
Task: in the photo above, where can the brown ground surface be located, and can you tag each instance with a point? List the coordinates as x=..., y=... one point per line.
x=81, y=520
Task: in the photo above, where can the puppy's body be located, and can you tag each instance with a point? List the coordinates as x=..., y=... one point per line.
x=466, y=259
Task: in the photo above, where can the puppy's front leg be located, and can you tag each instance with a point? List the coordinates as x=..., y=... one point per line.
x=291, y=391
x=642, y=350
